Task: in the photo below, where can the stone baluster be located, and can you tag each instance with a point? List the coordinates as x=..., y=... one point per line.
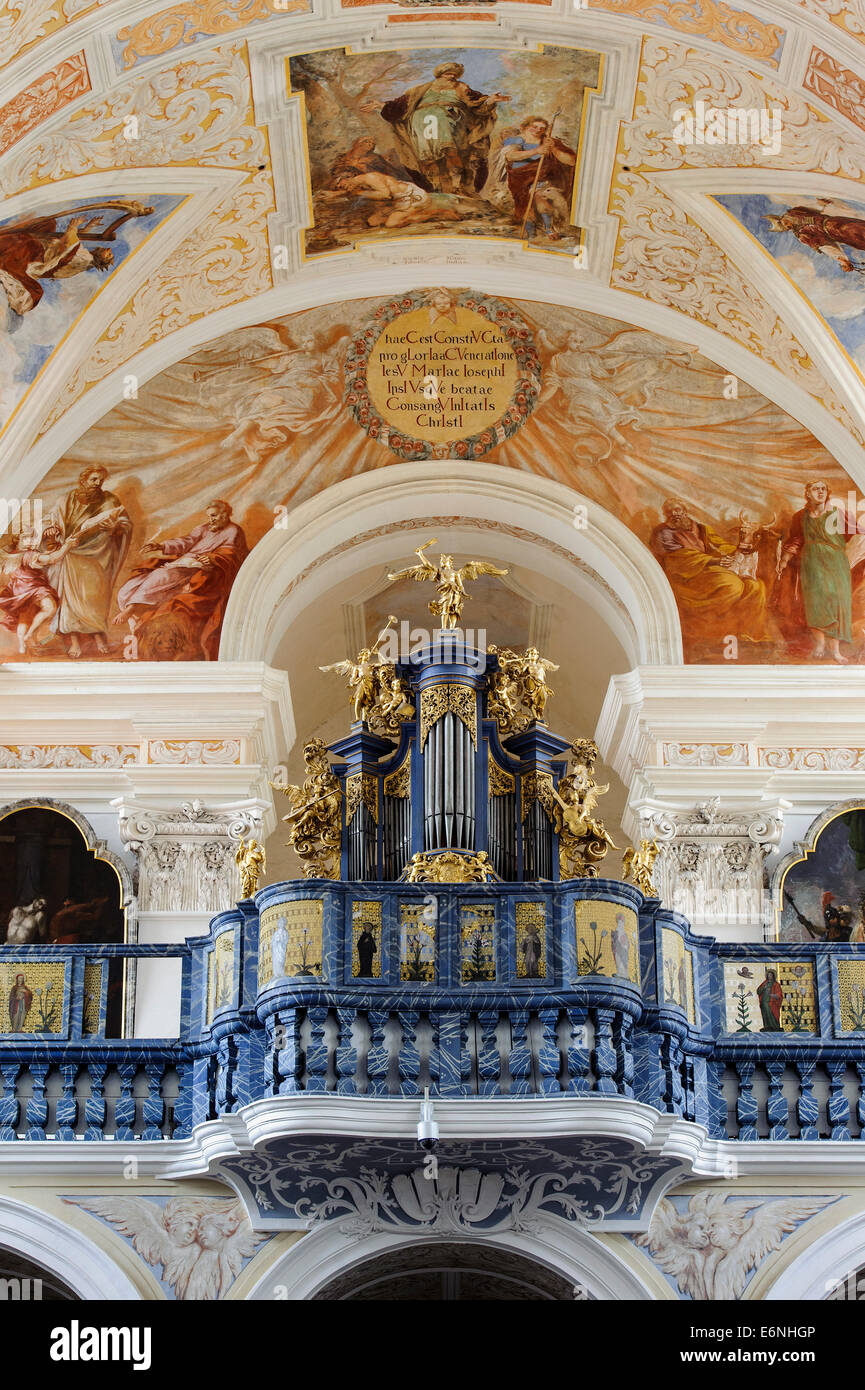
x=346, y=1052
x=10, y=1106
x=549, y=1061
x=378, y=1057
x=317, y=1051
x=67, y=1103
x=489, y=1060
x=605, y=1062
x=776, y=1105
x=623, y=1030
x=450, y=1051
x=408, y=1056
x=153, y=1109
x=839, y=1105
x=36, y=1108
x=746, y=1102
x=286, y=1050
x=94, y=1105
x=577, y=1057
x=671, y=1063
x=520, y=1056
x=807, y=1109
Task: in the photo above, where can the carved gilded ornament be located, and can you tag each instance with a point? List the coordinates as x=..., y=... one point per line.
x=502, y=783
x=518, y=691
x=583, y=839
x=398, y=784
x=251, y=861
x=437, y=700
x=538, y=786
x=450, y=867
x=315, y=820
x=361, y=787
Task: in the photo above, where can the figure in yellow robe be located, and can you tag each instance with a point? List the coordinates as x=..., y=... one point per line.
x=714, y=602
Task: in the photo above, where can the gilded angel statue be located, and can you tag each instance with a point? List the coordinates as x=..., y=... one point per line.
x=532, y=672
x=315, y=820
x=713, y=1248
x=251, y=860
x=200, y=1244
x=449, y=582
x=583, y=840
x=638, y=866
x=364, y=675
x=520, y=681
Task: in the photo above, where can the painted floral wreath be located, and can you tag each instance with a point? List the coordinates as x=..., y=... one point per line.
x=523, y=401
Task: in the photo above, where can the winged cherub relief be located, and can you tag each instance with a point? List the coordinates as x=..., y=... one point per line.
x=200, y=1243
x=713, y=1248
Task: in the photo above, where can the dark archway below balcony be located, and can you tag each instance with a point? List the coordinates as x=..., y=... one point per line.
x=451, y=1272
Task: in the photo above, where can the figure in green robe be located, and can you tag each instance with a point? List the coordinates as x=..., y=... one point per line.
x=816, y=586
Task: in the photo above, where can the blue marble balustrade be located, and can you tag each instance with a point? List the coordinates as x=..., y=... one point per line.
x=556, y=990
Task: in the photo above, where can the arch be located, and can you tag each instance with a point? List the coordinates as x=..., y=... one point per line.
x=82, y=1266
x=576, y=1256
x=824, y=1264
x=372, y=517
x=98, y=848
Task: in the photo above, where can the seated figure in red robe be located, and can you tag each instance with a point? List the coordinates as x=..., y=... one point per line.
x=176, y=601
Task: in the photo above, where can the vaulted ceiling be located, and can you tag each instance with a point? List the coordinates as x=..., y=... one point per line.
x=222, y=130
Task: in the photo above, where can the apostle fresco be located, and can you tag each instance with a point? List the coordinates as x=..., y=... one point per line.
x=815, y=588
x=20, y=1004
x=35, y=249
x=443, y=130
x=84, y=578
x=771, y=998
x=714, y=601
x=176, y=600
x=824, y=231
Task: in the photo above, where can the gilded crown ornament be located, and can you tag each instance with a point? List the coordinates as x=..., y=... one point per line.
x=450, y=867
x=449, y=582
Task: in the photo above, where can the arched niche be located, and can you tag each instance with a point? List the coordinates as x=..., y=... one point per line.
x=449, y=1272
x=71, y=1261
x=823, y=879
x=50, y=854
x=49, y=851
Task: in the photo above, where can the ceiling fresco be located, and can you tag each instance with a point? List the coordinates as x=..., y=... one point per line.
x=268, y=416
x=441, y=140
x=819, y=244
x=481, y=232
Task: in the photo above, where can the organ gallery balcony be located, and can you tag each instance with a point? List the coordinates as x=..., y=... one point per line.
x=452, y=943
